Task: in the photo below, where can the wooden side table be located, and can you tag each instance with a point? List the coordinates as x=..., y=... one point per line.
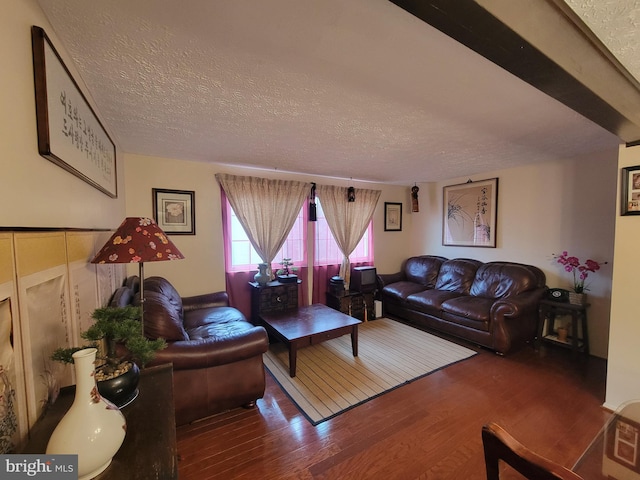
x=350, y=303
x=548, y=310
x=272, y=297
x=149, y=450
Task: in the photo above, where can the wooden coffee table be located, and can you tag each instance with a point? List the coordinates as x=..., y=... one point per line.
x=309, y=326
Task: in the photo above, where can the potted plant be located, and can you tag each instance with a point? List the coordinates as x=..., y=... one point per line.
x=580, y=273
x=285, y=274
x=117, y=334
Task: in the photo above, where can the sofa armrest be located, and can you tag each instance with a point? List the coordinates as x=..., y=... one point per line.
x=514, y=319
x=385, y=279
x=207, y=300
x=213, y=351
x=518, y=305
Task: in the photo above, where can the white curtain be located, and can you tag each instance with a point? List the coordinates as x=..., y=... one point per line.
x=347, y=220
x=266, y=209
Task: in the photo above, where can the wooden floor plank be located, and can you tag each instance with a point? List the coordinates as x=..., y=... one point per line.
x=428, y=429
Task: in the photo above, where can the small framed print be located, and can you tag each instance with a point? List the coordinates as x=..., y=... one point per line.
x=392, y=217
x=175, y=211
x=622, y=442
x=630, y=202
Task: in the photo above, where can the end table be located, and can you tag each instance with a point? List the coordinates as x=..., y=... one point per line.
x=548, y=309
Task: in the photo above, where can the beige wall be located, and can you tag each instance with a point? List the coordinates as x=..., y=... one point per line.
x=569, y=204
x=35, y=192
x=544, y=209
x=203, y=268
x=623, y=372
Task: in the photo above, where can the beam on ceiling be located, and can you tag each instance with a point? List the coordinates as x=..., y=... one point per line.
x=542, y=43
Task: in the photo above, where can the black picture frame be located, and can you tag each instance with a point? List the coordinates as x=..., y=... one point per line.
x=630, y=189
x=470, y=214
x=175, y=211
x=392, y=217
x=69, y=131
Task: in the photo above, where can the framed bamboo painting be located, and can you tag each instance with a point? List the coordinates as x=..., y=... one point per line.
x=469, y=215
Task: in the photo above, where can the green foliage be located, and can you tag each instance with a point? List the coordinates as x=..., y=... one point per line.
x=287, y=267
x=144, y=348
x=116, y=325
x=64, y=355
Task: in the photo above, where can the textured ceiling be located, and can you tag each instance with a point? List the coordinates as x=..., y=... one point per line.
x=617, y=24
x=343, y=88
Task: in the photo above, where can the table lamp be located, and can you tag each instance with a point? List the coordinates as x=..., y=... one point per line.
x=138, y=240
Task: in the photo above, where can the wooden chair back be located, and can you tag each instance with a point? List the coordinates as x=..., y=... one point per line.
x=499, y=445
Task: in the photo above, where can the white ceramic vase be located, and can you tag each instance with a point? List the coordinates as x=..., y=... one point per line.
x=93, y=428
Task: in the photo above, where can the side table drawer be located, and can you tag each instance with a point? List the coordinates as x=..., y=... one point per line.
x=324, y=336
x=273, y=297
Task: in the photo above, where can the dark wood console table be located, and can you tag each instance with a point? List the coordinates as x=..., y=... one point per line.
x=273, y=297
x=149, y=449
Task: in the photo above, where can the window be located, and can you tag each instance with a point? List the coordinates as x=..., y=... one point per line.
x=326, y=248
x=242, y=257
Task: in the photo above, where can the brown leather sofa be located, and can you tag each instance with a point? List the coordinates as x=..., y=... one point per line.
x=492, y=304
x=216, y=353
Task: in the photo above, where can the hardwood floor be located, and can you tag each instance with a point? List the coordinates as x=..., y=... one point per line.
x=428, y=429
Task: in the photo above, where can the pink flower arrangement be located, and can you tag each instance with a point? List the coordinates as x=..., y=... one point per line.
x=580, y=271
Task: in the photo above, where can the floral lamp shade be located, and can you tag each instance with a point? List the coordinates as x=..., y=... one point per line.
x=137, y=240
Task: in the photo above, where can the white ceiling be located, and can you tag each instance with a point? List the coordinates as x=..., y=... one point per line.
x=617, y=24
x=342, y=88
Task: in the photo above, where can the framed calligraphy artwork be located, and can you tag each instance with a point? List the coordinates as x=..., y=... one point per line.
x=470, y=213
x=69, y=132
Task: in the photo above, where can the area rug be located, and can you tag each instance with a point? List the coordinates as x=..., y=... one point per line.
x=330, y=380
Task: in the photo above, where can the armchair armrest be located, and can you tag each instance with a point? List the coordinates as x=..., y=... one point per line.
x=212, y=351
x=207, y=300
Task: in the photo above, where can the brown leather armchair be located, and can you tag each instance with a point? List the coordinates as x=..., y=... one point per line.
x=216, y=353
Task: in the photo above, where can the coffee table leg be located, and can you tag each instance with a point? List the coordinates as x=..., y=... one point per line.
x=354, y=340
x=293, y=358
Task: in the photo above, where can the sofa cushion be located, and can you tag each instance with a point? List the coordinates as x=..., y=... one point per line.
x=122, y=297
x=162, y=317
x=423, y=270
x=222, y=329
x=194, y=319
x=401, y=290
x=132, y=282
x=470, y=311
x=430, y=301
x=457, y=275
x=503, y=279
x=164, y=287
